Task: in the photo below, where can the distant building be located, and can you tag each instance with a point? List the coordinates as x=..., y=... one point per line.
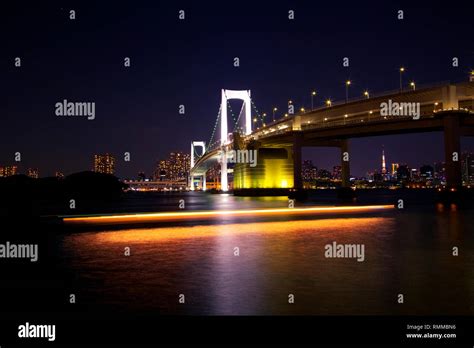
x=370, y=176
x=378, y=177
x=162, y=169
x=337, y=172
x=426, y=171
x=213, y=177
x=8, y=171
x=59, y=175
x=174, y=168
x=403, y=172
x=395, y=168
x=104, y=164
x=439, y=170
x=33, y=173
x=324, y=174
x=309, y=172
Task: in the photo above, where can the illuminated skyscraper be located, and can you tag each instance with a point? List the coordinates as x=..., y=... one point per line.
x=104, y=164
x=174, y=168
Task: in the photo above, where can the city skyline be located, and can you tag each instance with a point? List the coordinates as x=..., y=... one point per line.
x=175, y=167
x=136, y=113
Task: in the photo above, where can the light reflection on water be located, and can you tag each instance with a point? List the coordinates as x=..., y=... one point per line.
x=276, y=259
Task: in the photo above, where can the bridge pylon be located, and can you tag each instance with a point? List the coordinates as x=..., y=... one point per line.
x=227, y=94
x=195, y=144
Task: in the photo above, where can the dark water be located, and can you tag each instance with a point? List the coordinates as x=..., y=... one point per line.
x=407, y=252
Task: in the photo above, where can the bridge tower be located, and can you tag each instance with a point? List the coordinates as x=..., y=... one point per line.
x=195, y=144
x=227, y=94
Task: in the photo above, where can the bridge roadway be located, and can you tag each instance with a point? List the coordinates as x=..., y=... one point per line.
x=447, y=107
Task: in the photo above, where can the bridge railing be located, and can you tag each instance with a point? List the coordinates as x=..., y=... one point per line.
x=426, y=111
x=374, y=117
x=418, y=88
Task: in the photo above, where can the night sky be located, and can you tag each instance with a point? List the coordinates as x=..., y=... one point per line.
x=187, y=62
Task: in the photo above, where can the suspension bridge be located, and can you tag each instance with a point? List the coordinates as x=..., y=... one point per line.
x=444, y=107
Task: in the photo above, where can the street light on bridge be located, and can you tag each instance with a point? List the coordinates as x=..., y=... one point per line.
x=366, y=94
x=328, y=102
x=273, y=115
x=412, y=85
x=313, y=93
x=402, y=69
x=348, y=83
x=302, y=110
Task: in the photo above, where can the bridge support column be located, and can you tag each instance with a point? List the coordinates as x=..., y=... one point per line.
x=204, y=182
x=224, y=184
x=345, y=163
x=452, y=150
x=297, y=177
x=191, y=183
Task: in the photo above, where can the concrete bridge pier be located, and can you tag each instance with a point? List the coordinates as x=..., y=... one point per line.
x=224, y=183
x=452, y=150
x=345, y=163
x=204, y=182
x=297, y=177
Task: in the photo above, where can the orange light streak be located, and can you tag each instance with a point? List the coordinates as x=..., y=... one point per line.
x=176, y=216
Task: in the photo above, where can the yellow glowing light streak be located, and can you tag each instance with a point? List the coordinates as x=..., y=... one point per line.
x=104, y=219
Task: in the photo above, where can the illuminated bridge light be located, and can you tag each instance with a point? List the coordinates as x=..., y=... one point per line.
x=177, y=216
